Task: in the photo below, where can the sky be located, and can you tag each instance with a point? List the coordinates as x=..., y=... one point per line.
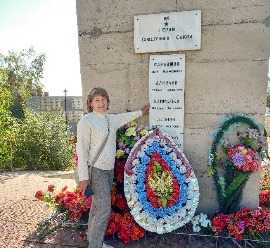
x=50, y=26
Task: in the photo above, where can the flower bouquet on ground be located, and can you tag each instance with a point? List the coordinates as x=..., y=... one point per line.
x=245, y=223
x=232, y=164
x=68, y=206
x=73, y=203
x=264, y=200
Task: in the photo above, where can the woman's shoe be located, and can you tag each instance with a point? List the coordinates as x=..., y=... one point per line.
x=106, y=246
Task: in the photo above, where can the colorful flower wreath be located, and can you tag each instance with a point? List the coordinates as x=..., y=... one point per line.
x=160, y=186
x=232, y=164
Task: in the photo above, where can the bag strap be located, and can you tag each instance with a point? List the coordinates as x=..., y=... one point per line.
x=103, y=145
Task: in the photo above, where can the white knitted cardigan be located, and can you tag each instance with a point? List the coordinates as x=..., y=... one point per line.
x=92, y=130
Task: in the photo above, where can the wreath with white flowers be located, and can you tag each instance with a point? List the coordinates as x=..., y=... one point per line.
x=160, y=186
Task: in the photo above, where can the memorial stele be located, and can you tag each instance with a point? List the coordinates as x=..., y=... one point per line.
x=163, y=32
x=225, y=65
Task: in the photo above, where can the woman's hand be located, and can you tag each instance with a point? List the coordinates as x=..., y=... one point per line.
x=83, y=185
x=145, y=109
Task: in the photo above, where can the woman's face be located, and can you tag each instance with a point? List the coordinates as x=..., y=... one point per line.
x=99, y=104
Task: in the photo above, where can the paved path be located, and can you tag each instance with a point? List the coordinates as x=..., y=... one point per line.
x=20, y=213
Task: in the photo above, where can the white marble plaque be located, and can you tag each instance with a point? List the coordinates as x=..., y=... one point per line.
x=171, y=31
x=166, y=94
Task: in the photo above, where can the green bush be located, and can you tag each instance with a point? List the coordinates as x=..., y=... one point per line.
x=7, y=124
x=43, y=142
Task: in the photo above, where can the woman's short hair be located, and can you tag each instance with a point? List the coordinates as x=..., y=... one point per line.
x=98, y=91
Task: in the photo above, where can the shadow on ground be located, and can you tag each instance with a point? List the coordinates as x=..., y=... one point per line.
x=70, y=237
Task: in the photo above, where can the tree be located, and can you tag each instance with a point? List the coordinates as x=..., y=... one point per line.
x=24, y=71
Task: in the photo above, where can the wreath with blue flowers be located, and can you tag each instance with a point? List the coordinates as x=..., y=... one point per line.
x=160, y=186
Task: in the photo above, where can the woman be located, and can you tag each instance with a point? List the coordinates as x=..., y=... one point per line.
x=96, y=146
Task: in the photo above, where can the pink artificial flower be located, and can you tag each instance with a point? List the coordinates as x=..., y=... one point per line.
x=122, y=145
x=139, y=128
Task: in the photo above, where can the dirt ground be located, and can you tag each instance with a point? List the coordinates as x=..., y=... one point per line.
x=20, y=213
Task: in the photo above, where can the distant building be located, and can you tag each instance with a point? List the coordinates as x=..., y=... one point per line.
x=74, y=107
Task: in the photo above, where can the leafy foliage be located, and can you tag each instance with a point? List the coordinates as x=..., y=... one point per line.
x=39, y=141
x=23, y=71
x=7, y=124
x=44, y=142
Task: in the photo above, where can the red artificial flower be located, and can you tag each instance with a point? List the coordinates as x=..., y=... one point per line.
x=74, y=206
x=114, y=189
x=256, y=213
x=113, y=200
x=231, y=152
x=119, y=171
x=88, y=203
x=59, y=198
x=114, y=223
x=116, y=217
x=264, y=197
x=64, y=189
x=260, y=227
x=74, y=216
x=126, y=220
x=51, y=188
x=76, y=160
x=242, y=213
x=123, y=235
x=121, y=202
x=69, y=197
x=39, y=195
x=235, y=230
x=266, y=222
x=112, y=228
x=137, y=232
x=155, y=156
x=82, y=236
x=219, y=222
x=247, y=221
